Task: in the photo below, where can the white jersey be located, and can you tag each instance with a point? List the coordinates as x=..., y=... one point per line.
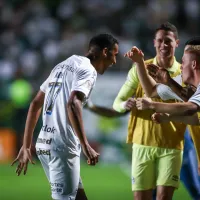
x=165, y=92
x=74, y=74
x=195, y=98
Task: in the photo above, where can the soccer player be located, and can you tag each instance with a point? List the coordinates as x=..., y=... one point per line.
x=157, y=153
x=153, y=90
x=62, y=135
x=191, y=76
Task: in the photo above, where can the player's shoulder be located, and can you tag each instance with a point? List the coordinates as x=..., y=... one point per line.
x=149, y=61
x=84, y=67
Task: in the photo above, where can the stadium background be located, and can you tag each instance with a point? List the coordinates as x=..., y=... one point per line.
x=37, y=34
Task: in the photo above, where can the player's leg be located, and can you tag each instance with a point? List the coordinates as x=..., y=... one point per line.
x=154, y=194
x=64, y=169
x=165, y=192
x=169, y=163
x=44, y=160
x=81, y=195
x=143, y=172
x=143, y=194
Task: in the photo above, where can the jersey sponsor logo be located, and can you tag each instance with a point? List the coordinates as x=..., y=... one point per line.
x=57, y=187
x=175, y=178
x=48, y=129
x=66, y=67
x=57, y=184
x=44, y=141
x=43, y=152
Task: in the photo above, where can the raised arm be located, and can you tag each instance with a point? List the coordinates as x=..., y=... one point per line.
x=147, y=82
x=24, y=155
x=74, y=109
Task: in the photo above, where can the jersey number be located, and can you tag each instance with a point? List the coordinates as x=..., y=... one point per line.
x=53, y=93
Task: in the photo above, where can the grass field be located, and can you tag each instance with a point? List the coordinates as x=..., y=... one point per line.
x=100, y=182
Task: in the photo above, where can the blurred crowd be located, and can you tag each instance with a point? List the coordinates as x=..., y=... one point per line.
x=37, y=34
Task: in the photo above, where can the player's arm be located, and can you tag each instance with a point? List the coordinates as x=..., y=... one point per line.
x=165, y=118
x=34, y=111
x=103, y=111
x=186, y=108
x=74, y=110
x=162, y=76
x=147, y=82
x=125, y=100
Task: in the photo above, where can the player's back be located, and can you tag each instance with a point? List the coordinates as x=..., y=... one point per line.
x=66, y=77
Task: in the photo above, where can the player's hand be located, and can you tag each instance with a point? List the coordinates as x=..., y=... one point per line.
x=143, y=103
x=160, y=118
x=91, y=154
x=158, y=74
x=135, y=54
x=130, y=103
x=23, y=158
x=199, y=169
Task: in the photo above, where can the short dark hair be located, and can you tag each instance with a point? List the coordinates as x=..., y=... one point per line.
x=193, y=41
x=166, y=26
x=102, y=41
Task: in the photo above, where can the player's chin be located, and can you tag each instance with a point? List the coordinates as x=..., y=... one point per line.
x=103, y=70
x=165, y=55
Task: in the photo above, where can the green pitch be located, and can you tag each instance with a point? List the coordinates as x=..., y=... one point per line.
x=100, y=182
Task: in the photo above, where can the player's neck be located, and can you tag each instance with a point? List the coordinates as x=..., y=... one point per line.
x=96, y=64
x=165, y=62
x=196, y=79
x=95, y=61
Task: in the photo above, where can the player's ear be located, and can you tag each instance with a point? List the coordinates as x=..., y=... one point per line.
x=105, y=52
x=177, y=42
x=194, y=64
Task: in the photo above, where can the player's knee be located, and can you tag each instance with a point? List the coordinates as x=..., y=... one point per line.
x=143, y=195
x=164, y=196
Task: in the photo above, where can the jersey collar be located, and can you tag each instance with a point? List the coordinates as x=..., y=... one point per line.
x=173, y=68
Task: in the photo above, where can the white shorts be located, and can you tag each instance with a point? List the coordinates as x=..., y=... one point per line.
x=63, y=172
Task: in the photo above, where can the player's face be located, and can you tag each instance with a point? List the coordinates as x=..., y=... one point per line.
x=110, y=58
x=186, y=67
x=165, y=44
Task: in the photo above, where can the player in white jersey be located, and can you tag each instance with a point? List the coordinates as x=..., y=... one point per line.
x=62, y=135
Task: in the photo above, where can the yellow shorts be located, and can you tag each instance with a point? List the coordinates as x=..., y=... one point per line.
x=153, y=166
